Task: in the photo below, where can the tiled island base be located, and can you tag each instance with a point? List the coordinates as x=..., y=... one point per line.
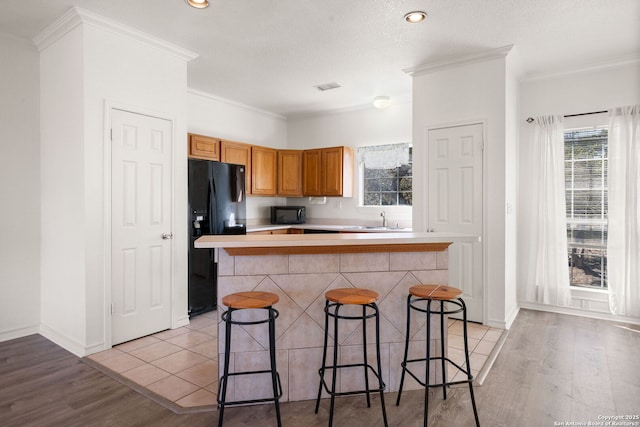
x=301, y=282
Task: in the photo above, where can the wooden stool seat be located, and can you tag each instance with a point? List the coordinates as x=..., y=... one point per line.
x=435, y=292
x=240, y=300
x=351, y=296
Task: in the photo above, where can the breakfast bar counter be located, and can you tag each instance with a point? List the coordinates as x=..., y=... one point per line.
x=300, y=268
x=280, y=244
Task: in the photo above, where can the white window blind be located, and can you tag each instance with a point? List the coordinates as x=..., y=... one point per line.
x=586, y=162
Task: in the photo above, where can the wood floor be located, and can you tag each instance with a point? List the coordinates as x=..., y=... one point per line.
x=552, y=368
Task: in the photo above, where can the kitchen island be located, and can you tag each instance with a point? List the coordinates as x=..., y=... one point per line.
x=300, y=269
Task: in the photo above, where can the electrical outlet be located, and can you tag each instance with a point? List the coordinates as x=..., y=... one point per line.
x=337, y=205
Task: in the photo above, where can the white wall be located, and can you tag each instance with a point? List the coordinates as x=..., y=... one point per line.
x=213, y=116
x=356, y=128
x=512, y=95
x=80, y=71
x=472, y=93
x=581, y=91
x=19, y=189
x=62, y=192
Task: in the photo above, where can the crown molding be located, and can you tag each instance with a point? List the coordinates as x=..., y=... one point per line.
x=602, y=65
x=458, y=61
x=77, y=16
x=227, y=101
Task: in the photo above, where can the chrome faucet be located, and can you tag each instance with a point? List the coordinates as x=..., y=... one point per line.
x=384, y=219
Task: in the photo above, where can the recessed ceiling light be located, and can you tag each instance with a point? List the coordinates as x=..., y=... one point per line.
x=415, y=16
x=198, y=4
x=381, y=102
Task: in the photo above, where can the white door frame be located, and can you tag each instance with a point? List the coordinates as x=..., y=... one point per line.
x=425, y=163
x=110, y=105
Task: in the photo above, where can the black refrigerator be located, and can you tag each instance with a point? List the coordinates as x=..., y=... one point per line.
x=217, y=205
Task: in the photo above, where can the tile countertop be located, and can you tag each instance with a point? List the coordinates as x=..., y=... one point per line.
x=339, y=239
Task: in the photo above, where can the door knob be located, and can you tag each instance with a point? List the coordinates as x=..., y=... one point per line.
x=167, y=236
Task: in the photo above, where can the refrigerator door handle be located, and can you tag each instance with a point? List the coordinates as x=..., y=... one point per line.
x=213, y=207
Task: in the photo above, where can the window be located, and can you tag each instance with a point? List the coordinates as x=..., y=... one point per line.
x=386, y=175
x=586, y=162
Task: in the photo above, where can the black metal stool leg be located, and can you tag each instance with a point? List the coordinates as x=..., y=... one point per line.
x=364, y=354
x=334, y=375
x=380, y=382
x=466, y=353
x=443, y=352
x=225, y=375
x=406, y=349
x=324, y=353
x=272, y=357
x=428, y=364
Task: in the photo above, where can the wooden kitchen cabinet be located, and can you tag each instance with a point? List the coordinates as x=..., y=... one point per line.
x=328, y=172
x=263, y=171
x=204, y=147
x=278, y=231
x=312, y=172
x=289, y=173
x=239, y=154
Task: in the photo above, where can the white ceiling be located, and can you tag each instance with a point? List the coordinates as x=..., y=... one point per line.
x=270, y=54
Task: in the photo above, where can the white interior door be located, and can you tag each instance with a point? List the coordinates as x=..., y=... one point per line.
x=141, y=198
x=455, y=205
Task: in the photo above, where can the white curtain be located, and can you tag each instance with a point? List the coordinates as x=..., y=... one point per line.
x=623, y=242
x=384, y=156
x=547, y=278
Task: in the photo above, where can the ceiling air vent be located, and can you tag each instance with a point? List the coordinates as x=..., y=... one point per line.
x=327, y=86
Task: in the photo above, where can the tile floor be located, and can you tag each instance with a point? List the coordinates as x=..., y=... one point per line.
x=180, y=365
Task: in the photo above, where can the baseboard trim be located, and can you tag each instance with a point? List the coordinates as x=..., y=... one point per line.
x=18, y=333
x=482, y=375
x=507, y=322
x=65, y=342
x=579, y=312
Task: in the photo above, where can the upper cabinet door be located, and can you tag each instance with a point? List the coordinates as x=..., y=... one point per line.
x=332, y=171
x=204, y=147
x=263, y=171
x=289, y=173
x=312, y=172
x=239, y=154
x=337, y=169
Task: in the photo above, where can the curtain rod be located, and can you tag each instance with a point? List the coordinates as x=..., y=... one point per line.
x=531, y=119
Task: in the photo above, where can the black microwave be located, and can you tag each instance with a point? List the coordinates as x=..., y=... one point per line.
x=288, y=215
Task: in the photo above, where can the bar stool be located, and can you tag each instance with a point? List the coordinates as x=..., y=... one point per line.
x=335, y=300
x=443, y=294
x=250, y=301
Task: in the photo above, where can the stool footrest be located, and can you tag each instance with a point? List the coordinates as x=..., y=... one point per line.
x=322, y=370
x=446, y=359
x=245, y=402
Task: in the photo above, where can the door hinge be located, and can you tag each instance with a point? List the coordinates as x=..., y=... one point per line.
x=111, y=309
x=111, y=134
